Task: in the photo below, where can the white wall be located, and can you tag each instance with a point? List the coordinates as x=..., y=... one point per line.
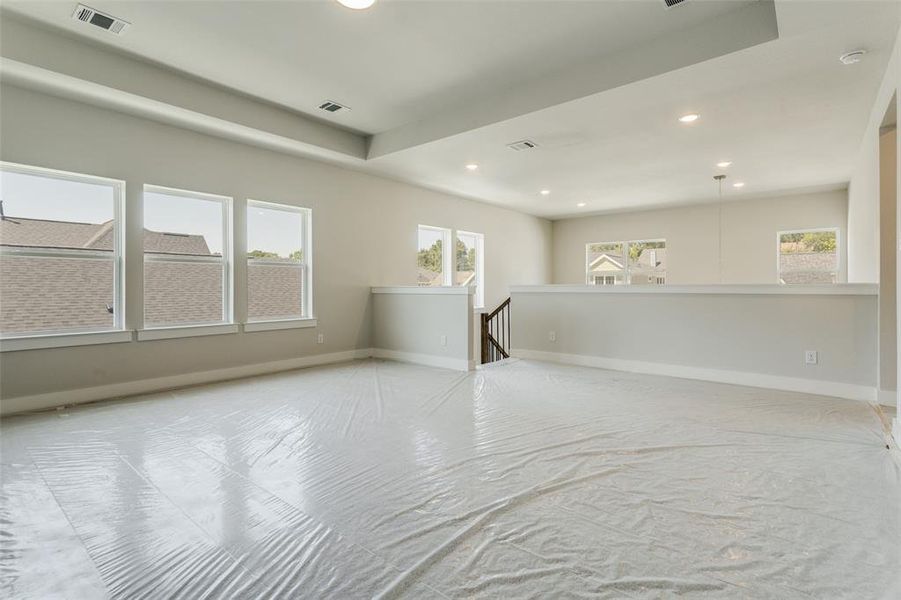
x=692, y=236
x=756, y=339
x=888, y=199
x=863, y=191
x=411, y=324
x=364, y=234
x=864, y=199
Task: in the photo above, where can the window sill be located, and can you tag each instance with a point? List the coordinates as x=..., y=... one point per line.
x=279, y=324
x=35, y=342
x=168, y=333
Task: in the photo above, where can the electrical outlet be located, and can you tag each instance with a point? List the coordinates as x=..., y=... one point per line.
x=444, y=340
x=552, y=336
x=320, y=338
x=810, y=357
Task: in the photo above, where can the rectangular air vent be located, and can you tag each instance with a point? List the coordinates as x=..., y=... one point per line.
x=332, y=107
x=672, y=3
x=522, y=145
x=86, y=14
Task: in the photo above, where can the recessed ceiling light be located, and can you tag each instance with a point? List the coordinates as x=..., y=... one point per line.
x=472, y=166
x=545, y=192
x=738, y=184
x=689, y=118
x=852, y=58
x=357, y=4
x=724, y=164
x=580, y=204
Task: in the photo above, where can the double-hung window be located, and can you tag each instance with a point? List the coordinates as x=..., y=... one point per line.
x=470, y=264
x=433, y=260
x=279, y=277
x=437, y=265
x=637, y=262
x=61, y=248
x=808, y=256
x=187, y=258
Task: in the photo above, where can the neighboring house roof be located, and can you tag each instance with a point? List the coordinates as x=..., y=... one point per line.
x=43, y=233
x=650, y=258
x=46, y=293
x=40, y=233
x=174, y=243
x=604, y=262
x=465, y=277
x=807, y=267
x=426, y=278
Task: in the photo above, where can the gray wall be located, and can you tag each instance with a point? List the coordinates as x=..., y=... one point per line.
x=765, y=334
x=364, y=235
x=692, y=236
x=414, y=324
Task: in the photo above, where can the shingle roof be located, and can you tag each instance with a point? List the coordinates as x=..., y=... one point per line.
x=174, y=243
x=807, y=267
x=47, y=294
x=42, y=233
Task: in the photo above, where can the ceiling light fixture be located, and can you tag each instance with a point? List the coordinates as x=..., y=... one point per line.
x=689, y=118
x=545, y=192
x=724, y=164
x=738, y=184
x=852, y=58
x=580, y=204
x=472, y=166
x=357, y=4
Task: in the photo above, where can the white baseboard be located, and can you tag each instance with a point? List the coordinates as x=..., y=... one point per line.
x=430, y=360
x=777, y=382
x=887, y=397
x=10, y=406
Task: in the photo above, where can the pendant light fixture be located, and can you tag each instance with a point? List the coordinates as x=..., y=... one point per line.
x=719, y=223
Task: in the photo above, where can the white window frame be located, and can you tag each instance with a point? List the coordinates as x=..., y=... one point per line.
x=117, y=257
x=306, y=238
x=627, y=274
x=479, y=299
x=448, y=264
x=227, y=260
x=838, y=251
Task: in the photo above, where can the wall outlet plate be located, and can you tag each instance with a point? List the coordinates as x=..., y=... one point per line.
x=444, y=340
x=320, y=338
x=810, y=357
x=552, y=336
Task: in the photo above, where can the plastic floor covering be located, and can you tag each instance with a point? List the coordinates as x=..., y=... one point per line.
x=522, y=480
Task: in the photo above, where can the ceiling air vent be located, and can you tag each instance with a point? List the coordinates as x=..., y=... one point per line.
x=86, y=14
x=672, y=3
x=332, y=107
x=522, y=145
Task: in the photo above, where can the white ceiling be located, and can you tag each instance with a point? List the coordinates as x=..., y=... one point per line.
x=395, y=63
x=438, y=76
x=787, y=113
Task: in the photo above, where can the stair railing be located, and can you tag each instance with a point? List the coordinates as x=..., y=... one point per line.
x=496, y=333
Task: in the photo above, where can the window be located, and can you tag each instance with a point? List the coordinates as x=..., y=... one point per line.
x=60, y=252
x=808, y=256
x=470, y=264
x=434, y=264
x=187, y=271
x=638, y=262
x=278, y=255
